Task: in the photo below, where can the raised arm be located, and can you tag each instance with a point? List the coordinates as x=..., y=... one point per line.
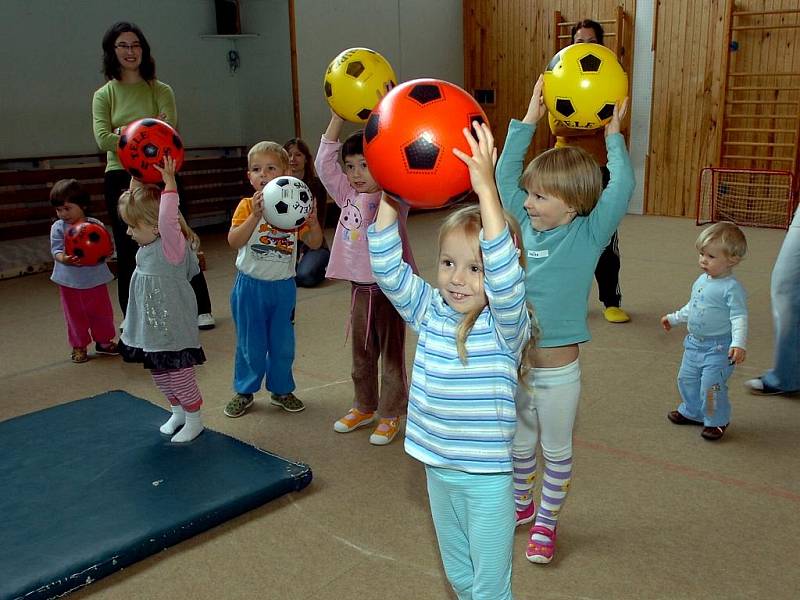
x=613, y=203
x=512, y=160
x=327, y=165
x=334, y=129
x=169, y=228
x=481, y=174
x=387, y=213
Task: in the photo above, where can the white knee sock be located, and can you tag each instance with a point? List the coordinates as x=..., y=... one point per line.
x=177, y=419
x=191, y=429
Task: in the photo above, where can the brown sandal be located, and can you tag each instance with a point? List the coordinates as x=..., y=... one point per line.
x=79, y=355
x=712, y=434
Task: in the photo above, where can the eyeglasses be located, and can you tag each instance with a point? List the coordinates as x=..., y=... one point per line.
x=126, y=47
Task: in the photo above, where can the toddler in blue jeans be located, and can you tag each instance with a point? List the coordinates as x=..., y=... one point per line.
x=716, y=317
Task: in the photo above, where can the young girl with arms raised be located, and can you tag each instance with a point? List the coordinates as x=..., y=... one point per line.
x=378, y=332
x=160, y=326
x=566, y=224
x=474, y=330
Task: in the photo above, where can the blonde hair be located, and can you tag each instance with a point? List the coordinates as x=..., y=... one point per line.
x=273, y=148
x=139, y=206
x=569, y=173
x=725, y=234
x=467, y=219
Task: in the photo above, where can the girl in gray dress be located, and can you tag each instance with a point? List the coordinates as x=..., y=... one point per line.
x=160, y=326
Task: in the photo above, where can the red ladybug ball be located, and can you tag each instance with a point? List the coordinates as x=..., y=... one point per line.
x=409, y=140
x=89, y=242
x=145, y=143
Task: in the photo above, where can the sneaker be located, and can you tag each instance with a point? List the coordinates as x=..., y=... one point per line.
x=384, y=432
x=712, y=434
x=206, y=321
x=526, y=515
x=288, y=402
x=537, y=552
x=678, y=419
x=614, y=314
x=79, y=355
x=238, y=405
x=109, y=349
x=759, y=388
x=353, y=420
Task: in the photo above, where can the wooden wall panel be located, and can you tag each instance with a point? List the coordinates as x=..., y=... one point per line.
x=508, y=42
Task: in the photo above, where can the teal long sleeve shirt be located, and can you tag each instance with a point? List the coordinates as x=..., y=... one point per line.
x=562, y=260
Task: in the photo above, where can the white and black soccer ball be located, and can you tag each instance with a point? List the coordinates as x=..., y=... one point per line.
x=287, y=202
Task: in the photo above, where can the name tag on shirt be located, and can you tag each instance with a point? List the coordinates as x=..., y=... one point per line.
x=538, y=253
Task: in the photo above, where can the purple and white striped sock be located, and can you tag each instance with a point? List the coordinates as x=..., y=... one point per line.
x=524, y=477
x=555, y=485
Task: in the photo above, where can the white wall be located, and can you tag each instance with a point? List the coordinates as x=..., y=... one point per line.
x=419, y=38
x=51, y=60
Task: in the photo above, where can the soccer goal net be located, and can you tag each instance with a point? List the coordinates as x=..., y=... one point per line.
x=754, y=198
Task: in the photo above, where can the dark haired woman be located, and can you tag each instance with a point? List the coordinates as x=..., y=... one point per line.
x=593, y=141
x=311, y=264
x=132, y=92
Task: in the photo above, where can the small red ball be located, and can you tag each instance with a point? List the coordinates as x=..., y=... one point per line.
x=89, y=242
x=145, y=143
x=409, y=140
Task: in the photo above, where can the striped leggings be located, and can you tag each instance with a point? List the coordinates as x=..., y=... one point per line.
x=179, y=386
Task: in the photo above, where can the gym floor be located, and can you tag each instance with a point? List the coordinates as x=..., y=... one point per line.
x=654, y=512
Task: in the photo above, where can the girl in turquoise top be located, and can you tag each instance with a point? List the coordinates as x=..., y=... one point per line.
x=566, y=223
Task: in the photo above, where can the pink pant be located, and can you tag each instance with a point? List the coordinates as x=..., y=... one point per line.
x=85, y=311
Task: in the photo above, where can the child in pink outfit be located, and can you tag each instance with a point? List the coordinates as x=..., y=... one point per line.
x=83, y=289
x=378, y=332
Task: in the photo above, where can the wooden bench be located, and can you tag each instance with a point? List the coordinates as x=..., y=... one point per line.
x=214, y=180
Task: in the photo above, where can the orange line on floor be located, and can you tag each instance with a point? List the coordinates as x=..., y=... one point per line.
x=690, y=471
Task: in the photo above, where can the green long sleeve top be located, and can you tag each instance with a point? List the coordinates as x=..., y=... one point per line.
x=117, y=104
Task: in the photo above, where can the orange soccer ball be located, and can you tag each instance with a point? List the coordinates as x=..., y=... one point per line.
x=409, y=140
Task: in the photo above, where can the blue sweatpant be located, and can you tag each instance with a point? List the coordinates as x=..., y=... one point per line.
x=474, y=519
x=703, y=380
x=262, y=312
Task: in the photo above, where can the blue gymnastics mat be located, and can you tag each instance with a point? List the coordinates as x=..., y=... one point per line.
x=91, y=486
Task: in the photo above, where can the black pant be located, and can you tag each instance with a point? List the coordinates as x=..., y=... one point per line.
x=114, y=183
x=607, y=270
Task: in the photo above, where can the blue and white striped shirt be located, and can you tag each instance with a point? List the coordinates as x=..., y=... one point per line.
x=459, y=416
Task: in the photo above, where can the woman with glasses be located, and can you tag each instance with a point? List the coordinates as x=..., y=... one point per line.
x=132, y=92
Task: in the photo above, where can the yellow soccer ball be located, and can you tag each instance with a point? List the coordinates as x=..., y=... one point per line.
x=581, y=85
x=355, y=81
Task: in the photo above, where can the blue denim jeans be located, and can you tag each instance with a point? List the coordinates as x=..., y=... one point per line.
x=785, y=294
x=311, y=267
x=703, y=380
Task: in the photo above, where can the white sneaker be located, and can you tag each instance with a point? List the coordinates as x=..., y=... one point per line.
x=206, y=321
